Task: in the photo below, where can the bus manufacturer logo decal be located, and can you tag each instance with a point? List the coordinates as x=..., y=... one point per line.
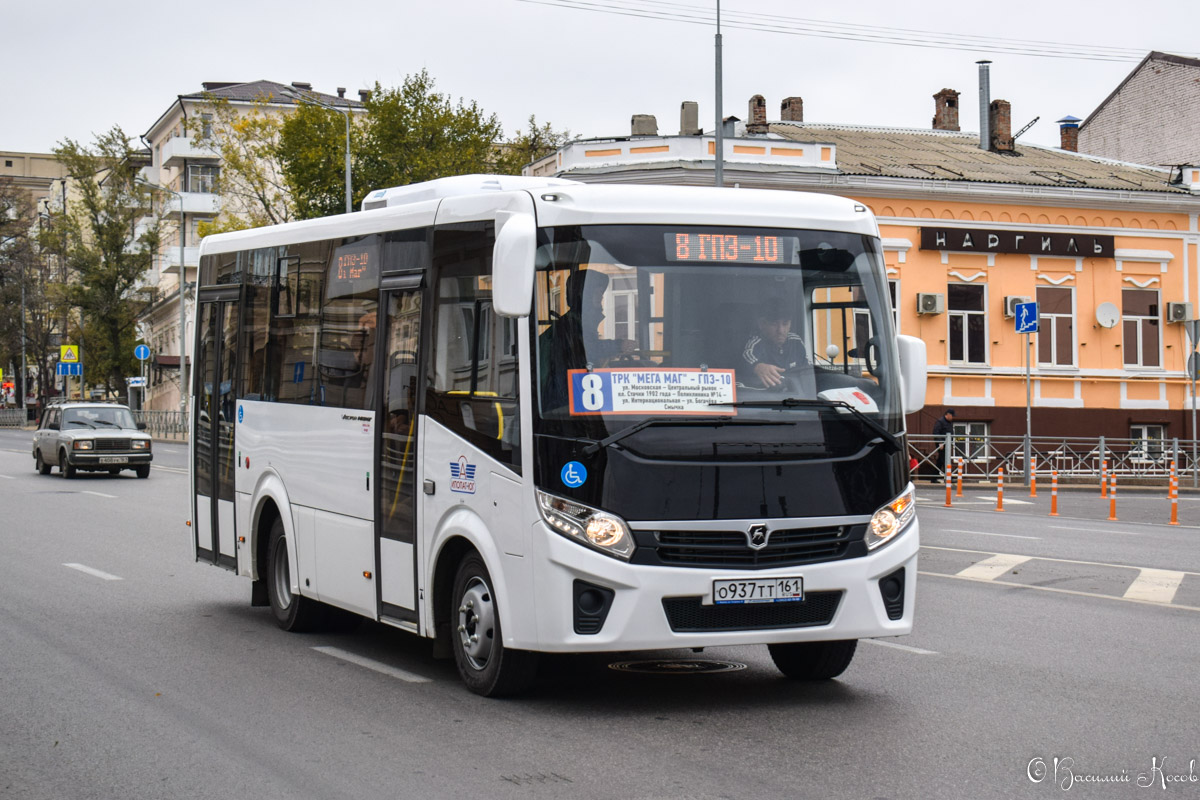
x=462, y=476
x=574, y=474
x=757, y=537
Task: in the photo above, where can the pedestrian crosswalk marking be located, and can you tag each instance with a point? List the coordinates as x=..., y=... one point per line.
x=991, y=568
x=1155, y=585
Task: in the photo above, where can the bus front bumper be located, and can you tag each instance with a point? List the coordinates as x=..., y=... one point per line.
x=654, y=607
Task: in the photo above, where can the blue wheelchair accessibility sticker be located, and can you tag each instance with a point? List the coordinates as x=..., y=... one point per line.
x=574, y=474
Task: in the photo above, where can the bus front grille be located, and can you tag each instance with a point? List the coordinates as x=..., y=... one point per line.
x=686, y=614
x=731, y=549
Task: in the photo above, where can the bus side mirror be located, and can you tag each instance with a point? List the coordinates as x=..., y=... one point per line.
x=512, y=264
x=914, y=371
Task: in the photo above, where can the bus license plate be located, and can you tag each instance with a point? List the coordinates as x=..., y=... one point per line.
x=758, y=590
x=113, y=460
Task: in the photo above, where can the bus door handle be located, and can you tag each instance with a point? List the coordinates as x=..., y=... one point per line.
x=430, y=487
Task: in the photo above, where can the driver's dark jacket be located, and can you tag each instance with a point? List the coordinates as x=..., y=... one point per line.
x=791, y=354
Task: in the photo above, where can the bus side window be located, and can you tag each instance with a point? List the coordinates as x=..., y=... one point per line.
x=473, y=386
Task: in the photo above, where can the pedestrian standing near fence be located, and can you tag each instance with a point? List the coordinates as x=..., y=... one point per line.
x=944, y=425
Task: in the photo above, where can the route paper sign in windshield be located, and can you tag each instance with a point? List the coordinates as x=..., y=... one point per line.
x=651, y=391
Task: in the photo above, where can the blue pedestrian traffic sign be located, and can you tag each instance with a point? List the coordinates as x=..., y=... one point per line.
x=1027, y=317
x=141, y=352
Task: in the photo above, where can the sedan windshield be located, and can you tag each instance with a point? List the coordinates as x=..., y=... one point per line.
x=99, y=417
x=692, y=323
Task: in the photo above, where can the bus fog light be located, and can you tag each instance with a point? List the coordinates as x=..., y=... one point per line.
x=892, y=519
x=597, y=529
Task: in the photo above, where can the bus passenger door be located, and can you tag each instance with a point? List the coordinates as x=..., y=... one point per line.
x=396, y=524
x=215, y=407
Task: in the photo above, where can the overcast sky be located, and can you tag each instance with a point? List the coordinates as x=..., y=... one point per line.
x=73, y=68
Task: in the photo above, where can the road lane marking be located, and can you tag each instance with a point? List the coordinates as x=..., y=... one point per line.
x=93, y=572
x=7, y=477
x=1044, y=558
x=371, y=664
x=991, y=568
x=100, y=494
x=905, y=647
x=1056, y=590
x=1092, y=530
x=981, y=533
x=1155, y=585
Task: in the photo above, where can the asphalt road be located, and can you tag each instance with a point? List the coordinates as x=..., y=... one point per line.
x=128, y=671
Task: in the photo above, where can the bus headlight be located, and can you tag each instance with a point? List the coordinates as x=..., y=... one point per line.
x=889, y=521
x=82, y=444
x=597, y=529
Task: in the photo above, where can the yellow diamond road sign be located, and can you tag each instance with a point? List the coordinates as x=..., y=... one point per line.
x=70, y=354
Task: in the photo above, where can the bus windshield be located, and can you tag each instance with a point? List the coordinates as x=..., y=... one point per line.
x=691, y=322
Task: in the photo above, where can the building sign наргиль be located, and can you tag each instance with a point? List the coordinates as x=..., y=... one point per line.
x=982, y=240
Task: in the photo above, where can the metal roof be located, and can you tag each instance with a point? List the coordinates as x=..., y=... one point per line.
x=935, y=155
x=271, y=92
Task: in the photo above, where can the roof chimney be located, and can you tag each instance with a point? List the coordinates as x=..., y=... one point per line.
x=689, y=118
x=985, y=99
x=792, y=109
x=364, y=95
x=1000, y=125
x=305, y=85
x=758, y=115
x=341, y=91
x=945, y=110
x=1068, y=131
x=643, y=125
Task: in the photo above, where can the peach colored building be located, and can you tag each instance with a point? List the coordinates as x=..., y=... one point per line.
x=1110, y=251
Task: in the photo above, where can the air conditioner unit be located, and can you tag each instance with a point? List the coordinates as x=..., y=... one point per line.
x=930, y=303
x=1179, y=312
x=1010, y=304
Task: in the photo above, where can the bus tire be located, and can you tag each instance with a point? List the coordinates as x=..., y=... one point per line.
x=291, y=611
x=813, y=661
x=487, y=667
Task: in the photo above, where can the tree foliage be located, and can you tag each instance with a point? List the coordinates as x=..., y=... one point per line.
x=251, y=182
x=107, y=237
x=312, y=155
x=529, y=145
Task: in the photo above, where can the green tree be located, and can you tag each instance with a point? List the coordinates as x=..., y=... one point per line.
x=529, y=145
x=17, y=254
x=408, y=134
x=107, y=237
x=251, y=182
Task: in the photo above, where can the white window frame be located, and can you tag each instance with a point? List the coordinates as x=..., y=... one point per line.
x=987, y=354
x=1054, y=331
x=970, y=442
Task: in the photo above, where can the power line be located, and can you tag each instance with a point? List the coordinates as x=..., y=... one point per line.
x=796, y=26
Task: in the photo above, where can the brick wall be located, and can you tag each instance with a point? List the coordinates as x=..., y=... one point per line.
x=1153, y=119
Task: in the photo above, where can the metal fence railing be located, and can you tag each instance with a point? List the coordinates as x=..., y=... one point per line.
x=164, y=424
x=981, y=457
x=13, y=417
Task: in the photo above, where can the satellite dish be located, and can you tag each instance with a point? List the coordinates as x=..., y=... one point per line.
x=1107, y=315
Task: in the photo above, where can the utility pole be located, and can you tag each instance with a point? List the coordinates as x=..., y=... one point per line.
x=719, y=154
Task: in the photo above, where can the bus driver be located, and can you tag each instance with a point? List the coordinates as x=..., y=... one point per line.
x=775, y=349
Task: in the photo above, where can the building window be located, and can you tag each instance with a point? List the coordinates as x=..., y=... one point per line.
x=202, y=177
x=894, y=297
x=1056, y=327
x=970, y=441
x=1139, y=323
x=206, y=126
x=1147, y=442
x=967, y=305
x=621, y=315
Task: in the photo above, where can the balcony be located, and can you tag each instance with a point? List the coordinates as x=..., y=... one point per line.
x=169, y=259
x=197, y=203
x=178, y=149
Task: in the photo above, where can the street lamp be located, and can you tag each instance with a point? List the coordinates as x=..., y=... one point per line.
x=312, y=101
x=183, y=383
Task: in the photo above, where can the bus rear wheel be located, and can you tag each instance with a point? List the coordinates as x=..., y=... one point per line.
x=813, y=661
x=291, y=611
x=487, y=667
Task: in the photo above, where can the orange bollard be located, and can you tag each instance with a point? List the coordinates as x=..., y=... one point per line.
x=948, y=504
x=1000, y=489
x=1112, y=498
x=1032, y=478
x=1054, y=493
x=1104, y=478
x=958, y=492
x=1173, y=492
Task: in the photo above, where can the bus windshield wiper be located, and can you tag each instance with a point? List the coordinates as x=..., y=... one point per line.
x=674, y=421
x=887, y=438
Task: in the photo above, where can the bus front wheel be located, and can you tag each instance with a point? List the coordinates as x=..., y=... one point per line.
x=813, y=661
x=487, y=667
x=292, y=612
